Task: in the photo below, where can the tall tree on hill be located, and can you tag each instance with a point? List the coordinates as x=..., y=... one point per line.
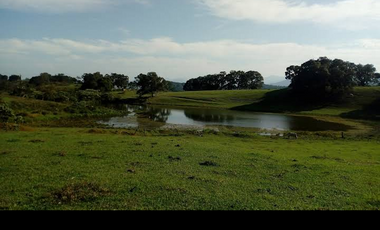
x=119, y=80
x=322, y=78
x=3, y=82
x=150, y=83
x=223, y=81
x=15, y=78
x=365, y=74
x=251, y=80
x=42, y=79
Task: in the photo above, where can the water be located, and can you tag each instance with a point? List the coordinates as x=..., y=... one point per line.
x=157, y=117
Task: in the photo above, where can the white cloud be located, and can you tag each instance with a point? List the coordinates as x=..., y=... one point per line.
x=62, y=6
x=169, y=58
x=350, y=14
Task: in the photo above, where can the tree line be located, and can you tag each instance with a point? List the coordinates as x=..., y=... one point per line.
x=46, y=83
x=325, y=78
x=235, y=80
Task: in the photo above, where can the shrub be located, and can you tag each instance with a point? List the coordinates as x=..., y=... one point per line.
x=6, y=113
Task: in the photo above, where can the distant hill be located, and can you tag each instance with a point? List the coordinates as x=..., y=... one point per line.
x=273, y=87
x=176, y=86
x=284, y=83
x=277, y=81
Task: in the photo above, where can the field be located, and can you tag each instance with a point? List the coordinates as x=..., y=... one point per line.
x=363, y=104
x=70, y=169
x=89, y=167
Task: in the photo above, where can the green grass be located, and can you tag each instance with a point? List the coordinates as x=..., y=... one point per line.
x=363, y=104
x=210, y=99
x=71, y=169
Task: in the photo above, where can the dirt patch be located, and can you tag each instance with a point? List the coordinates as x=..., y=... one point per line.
x=208, y=163
x=79, y=192
x=97, y=131
x=37, y=141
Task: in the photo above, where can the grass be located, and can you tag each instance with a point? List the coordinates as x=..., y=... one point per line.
x=82, y=169
x=49, y=168
x=364, y=103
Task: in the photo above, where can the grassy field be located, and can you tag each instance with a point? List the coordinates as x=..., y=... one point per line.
x=70, y=169
x=233, y=169
x=364, y=104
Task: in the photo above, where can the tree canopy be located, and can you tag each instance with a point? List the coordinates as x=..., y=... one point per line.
x=324, y=77
x=235, y=80
x=365, y=74
x=150, y=83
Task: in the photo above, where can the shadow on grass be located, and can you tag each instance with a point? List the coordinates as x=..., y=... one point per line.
x=280, y=101
x=132, y=101
x=370, y=112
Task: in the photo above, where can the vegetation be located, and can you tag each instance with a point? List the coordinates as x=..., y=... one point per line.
x=223, y=81
x=150, y=83
x=326, y=79
x=82, y=169
x=61, y=158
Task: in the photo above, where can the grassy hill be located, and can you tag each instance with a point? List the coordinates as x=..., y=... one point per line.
x=363, y=104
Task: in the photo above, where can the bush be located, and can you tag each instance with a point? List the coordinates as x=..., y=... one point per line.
x=6, y=113
x=82, y=107
x=89, y=95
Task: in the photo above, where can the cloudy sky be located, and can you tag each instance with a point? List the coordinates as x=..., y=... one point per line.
x=182, y=39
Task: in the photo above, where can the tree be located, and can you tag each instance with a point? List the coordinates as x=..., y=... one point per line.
x=377, y=78
x=14, y=78
x=5, y=113
x=150, y=84
x=3, y=82
x=223, y=81
x=322, y=78
x=365, y=74
x=62, y=78
x=97, y=81
x=42, y=79
x=251, y=80
x=120, y=81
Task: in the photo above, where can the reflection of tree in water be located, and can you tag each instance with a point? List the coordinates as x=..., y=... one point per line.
x=153, y=117
x=207, y=116
x=157, y=114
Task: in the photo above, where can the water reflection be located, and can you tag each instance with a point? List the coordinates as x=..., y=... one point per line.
x=156, y=117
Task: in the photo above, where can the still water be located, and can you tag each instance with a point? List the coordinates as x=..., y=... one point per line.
x=157, y=117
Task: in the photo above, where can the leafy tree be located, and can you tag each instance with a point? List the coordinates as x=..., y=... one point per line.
x=322, y=78
x=62, y=78
x=150, y=84
x=223, y=81
x=42, y=79
x=3, y=82
x=15, y=78
x=6, y=113
x=90, y=80
x=251, y=80
x=97, y=81
x=377, y=78
x=120, y=81
x=365, y=74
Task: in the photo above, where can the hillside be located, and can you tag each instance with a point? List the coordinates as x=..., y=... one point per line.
x=364, y=103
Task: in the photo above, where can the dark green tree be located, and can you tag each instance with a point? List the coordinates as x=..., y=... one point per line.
x=6, y=113
x=15, y=78
x=42, y=79
x=150, y=83
x=322, y=78
x=3, y=82
x=251, y=80
x=63, y=78
x=120, y=81
x=365, y=74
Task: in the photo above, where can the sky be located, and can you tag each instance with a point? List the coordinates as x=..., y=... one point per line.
x=183, y=39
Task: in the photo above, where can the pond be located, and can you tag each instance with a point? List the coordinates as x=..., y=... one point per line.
x=158, y=116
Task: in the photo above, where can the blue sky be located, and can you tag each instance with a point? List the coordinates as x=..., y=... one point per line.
x=182, y=39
